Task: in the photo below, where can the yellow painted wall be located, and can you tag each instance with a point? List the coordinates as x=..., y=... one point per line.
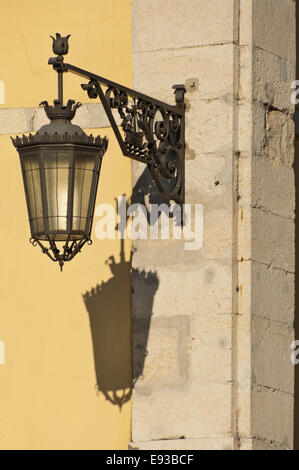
x=48, y=394
x=100, y=41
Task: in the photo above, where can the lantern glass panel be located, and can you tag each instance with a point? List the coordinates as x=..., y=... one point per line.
x=84, y=171
x=57, y=167
x=31, y=171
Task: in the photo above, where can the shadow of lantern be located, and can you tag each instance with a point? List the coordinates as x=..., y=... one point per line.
x=109, y=310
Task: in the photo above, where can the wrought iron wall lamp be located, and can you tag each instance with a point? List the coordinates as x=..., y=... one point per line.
x=61, y=164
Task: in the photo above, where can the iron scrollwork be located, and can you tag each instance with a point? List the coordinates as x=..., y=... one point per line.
x=153, y=132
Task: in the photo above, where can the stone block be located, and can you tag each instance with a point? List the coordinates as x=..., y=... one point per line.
x=259, y=128
x=165, y=354
x=210, y=294
x=272, y=77
x=209, y=127
x=171, y=413
x=273, y=293
x=273, y=240
x=273, y=187
x=16, y=120
x=271, y=354
x=186, y=25
x=280, y=134
x=245, y=74
x=210, y=348
x=272, y=416
x=274, y=26
x=245, y=22
x=209, y=180
x=241, y=351
x=205, y=71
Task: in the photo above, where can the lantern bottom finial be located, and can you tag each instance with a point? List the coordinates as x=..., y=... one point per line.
x=67, y=252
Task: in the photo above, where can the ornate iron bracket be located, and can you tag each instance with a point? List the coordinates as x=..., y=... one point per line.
x=152, y=132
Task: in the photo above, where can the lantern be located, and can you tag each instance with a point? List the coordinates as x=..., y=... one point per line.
x=61, y=166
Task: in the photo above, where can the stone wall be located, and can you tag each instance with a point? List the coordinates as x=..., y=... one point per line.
x=272, y=251
x=217, y=327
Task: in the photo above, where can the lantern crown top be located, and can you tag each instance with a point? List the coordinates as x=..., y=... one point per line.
x=59, y=111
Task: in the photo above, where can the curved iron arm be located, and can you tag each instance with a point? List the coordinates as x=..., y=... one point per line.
x=153, y=132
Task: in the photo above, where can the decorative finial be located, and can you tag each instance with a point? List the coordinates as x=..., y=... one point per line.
x=60, y=45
